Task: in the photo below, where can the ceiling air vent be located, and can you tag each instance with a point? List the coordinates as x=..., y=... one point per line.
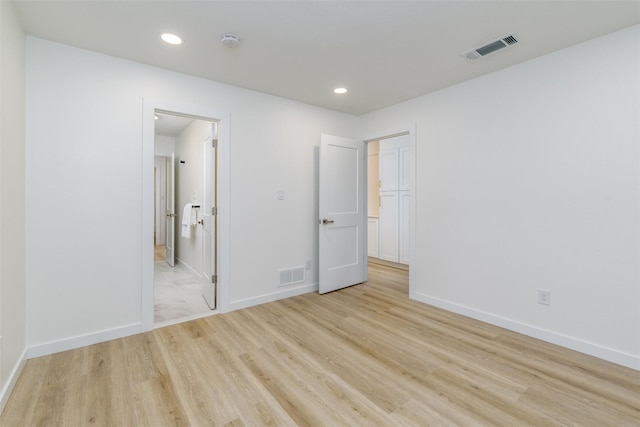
x=491, y=47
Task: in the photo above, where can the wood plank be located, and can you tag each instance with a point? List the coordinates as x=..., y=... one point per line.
x=365, y=355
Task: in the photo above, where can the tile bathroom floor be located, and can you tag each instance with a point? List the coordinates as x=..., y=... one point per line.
x=176, y=294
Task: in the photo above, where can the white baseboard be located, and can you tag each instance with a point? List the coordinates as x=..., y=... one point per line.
x=12, y=380
x=592, y=349
x=274, y=296
x=83, y=340
x=188, y=267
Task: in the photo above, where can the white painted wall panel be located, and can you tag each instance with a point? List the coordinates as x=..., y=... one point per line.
x=12, y=198
x=372, y=238
x=190, y=189
x=388, y=226
x=164, y=145
x=527, y=178
x=84, y=121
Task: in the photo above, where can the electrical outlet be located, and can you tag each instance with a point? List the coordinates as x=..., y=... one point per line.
x=308, y=265
x=544, y=297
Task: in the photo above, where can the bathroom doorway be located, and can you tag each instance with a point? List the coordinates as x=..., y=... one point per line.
x=184, y=217
x=182, y=174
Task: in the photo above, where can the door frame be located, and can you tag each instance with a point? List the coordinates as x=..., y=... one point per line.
x=150, y=106
x=409, y=130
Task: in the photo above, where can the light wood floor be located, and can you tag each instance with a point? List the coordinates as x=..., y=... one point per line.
x=158, y=253
x=363, y=356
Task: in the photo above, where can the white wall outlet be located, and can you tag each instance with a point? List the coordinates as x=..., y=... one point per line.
x=544, y=297
x=280, y=194
x=308, y=265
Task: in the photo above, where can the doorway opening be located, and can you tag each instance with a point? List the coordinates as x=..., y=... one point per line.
x=185, y=191
x=201, y=245
x=346, y=204
x=390, y=201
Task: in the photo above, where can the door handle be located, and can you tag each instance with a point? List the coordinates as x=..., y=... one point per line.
x=327, y=221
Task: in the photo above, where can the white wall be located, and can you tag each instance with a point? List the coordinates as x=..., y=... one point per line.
x=12, y=198
x=190, y=189
x=527, y=178
x=84, y=153
x=164, y=145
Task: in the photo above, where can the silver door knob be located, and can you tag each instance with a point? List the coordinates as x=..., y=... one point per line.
x=327, y=221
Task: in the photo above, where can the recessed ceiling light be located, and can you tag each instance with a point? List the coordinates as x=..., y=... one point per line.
x=340, y=90
x=156, y=117
x=171, y=38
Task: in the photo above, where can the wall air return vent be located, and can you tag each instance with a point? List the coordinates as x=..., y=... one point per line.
x=491, y=47
x=291, y=275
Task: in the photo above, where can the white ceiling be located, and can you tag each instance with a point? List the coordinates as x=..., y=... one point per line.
x=384, y=52
x=171, y=124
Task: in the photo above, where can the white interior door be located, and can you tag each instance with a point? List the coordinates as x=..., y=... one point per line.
x=171, y=210
x=342, y=255
x=209, y=224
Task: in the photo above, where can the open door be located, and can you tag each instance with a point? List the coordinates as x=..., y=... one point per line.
x=170, y=247
x=342, y=256
x=209, y=224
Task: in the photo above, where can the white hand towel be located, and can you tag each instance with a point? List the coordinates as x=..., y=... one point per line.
x=187, y=222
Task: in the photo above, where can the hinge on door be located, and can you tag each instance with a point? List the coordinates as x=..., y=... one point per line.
x=214, y=279
x=214, y=142
x=214, y=211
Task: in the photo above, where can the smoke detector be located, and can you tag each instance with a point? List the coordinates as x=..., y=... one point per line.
x=491, y=47
x=230, y=40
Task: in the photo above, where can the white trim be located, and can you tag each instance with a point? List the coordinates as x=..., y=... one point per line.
x=621, y=358
x=12, y=380
x=365, y=213
x=148, y=130
x=83, y=340
x=271, y=297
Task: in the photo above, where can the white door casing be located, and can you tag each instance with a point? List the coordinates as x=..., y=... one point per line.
x=208, y=275
x=404, y=205
x=342, y=213
x=170, y=246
